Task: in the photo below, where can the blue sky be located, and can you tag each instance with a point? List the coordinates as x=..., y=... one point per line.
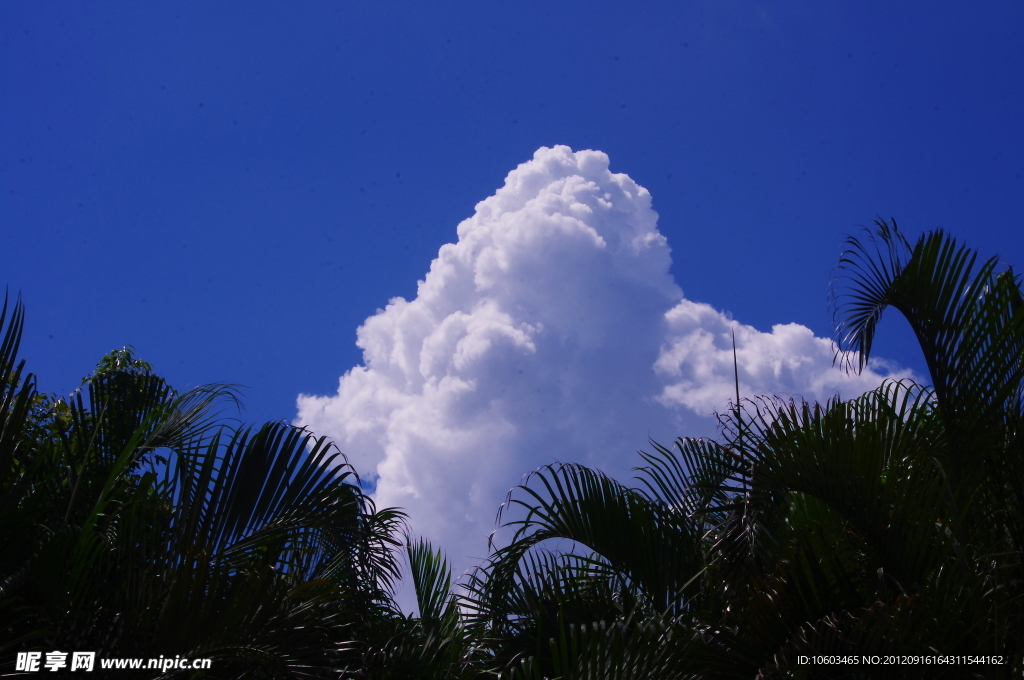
x=235, y=188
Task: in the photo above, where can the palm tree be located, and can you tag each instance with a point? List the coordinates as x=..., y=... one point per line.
x=891, y=523
x=135, y=523
x=435, y=643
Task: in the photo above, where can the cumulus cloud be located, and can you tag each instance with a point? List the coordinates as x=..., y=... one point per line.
x=551, y=330
x=698, y=373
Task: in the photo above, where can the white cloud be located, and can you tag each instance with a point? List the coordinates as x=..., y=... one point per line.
x=552, y=330
x=696, y=362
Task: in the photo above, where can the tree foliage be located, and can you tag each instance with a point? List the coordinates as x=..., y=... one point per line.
x=135, y=521
x=890, y=523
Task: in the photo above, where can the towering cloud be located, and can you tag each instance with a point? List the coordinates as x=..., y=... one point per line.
x=552, y=330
